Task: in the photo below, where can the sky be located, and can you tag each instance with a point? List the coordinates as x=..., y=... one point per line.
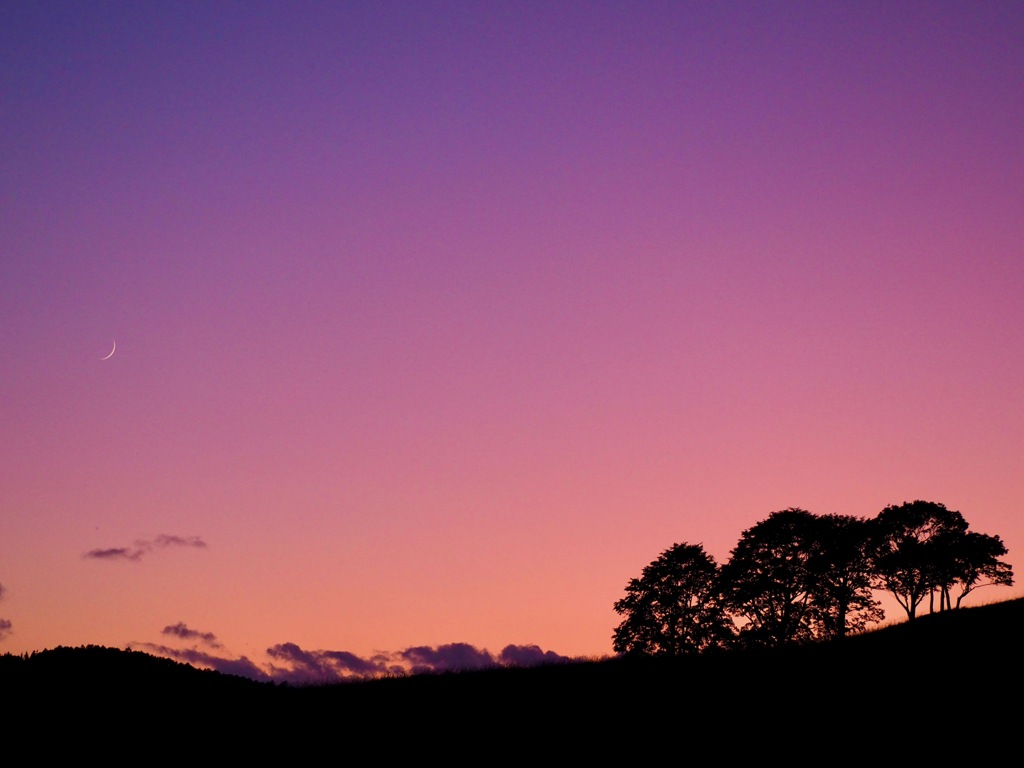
x=433, y=323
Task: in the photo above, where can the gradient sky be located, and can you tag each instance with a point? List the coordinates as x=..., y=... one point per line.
x=437, y=321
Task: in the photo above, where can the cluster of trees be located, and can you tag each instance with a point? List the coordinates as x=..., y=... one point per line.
x=797, y=576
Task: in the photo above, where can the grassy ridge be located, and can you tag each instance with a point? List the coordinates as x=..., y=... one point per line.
x=923, y=685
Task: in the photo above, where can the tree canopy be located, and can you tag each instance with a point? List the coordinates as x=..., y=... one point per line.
x=796, y=576
x=767, y=582
x=673, y=607
x=922, y=549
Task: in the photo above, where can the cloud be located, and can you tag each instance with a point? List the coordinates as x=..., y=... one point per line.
x=115, y=553
x=241, y=666
x=182, y=631
x=322, y=666
x=447, y=658
x=143, y=547
x=165, y=540
x=5, y=624
x=290, y=663
x=528, y=656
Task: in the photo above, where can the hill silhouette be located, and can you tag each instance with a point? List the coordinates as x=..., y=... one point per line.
x=906, y=688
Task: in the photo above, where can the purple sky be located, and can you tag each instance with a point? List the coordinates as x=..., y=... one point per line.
x=437, y=321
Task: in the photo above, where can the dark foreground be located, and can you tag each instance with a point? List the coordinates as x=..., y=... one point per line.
x=942, y=689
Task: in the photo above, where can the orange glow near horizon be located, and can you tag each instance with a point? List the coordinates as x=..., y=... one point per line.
x=435, y=325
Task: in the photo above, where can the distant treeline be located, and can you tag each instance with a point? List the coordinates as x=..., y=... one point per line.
x=92, y=667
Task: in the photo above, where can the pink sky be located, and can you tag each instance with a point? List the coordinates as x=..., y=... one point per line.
x=437, y=321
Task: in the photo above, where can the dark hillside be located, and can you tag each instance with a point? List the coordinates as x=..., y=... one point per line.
x=86, y=670
x=927, y=683
x=945, y=683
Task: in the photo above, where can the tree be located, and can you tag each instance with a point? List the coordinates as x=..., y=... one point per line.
x=673, y=608
x=969, y=560
x=797, y=576
x=840, y=572
x=913, y=548
x=769, y=582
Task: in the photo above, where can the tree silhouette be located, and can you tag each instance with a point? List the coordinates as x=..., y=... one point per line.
x=796, y=576
x=912, y=548
x=673, y=608
x=968, y=560
x=768, y=581
x=840, y=576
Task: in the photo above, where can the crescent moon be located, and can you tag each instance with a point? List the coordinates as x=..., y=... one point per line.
x=111, y=352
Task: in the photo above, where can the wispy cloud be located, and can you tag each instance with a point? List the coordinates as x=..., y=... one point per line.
x=5, y=624
x=115, y=553
x=182, y=631
x=240, y=666
x=292, y=664
x=143, y=547
x=166, y=540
